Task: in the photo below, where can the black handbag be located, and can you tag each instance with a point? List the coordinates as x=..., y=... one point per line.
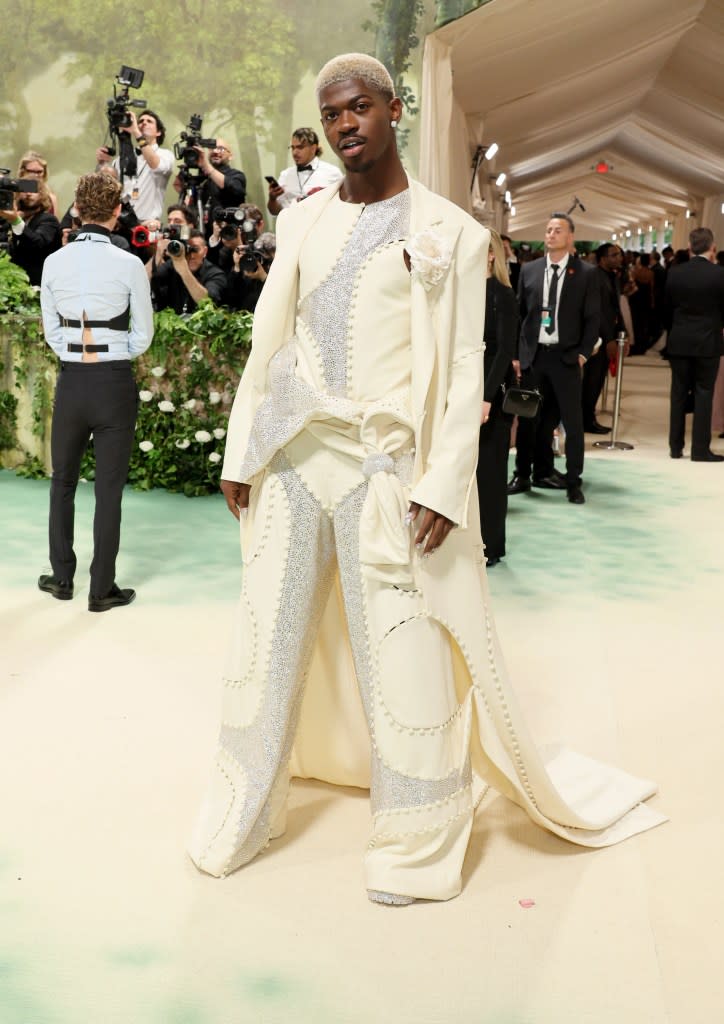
x=523, y=402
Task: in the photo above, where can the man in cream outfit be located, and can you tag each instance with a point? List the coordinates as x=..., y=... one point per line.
x=364, y=653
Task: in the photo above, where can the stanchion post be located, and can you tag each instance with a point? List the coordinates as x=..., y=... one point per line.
x=614, y=444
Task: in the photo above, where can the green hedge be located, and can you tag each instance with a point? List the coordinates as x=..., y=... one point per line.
x=187, y=381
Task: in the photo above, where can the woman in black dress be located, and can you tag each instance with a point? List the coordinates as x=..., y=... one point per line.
x=501, y=348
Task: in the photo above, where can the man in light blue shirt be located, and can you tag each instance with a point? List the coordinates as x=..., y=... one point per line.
x=97, y=315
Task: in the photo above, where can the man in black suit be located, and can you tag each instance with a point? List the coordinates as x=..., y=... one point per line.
x=694, y=318
x=559, y=303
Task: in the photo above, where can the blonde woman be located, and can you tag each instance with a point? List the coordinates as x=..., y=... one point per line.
x=33, y=165
x=501, y=347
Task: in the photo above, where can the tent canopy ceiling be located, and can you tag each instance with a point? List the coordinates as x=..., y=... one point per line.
x=561, y=84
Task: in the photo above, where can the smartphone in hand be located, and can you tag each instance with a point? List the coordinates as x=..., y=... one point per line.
x=272, y=181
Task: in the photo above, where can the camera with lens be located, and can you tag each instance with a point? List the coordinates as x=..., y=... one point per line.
x=177, y=246
x=184, y=150
x=252, y=257
x=117, y=107
x=117, y=112
x=9, y=187
x=175, y=231
x=234, y=221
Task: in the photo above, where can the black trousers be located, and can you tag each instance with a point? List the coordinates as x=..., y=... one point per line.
x=99, y=399
x=697, y=374
x=492, y=478
x=560, y=386
x=594, y=374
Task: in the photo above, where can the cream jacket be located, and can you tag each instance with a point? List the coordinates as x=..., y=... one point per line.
x=447, y=351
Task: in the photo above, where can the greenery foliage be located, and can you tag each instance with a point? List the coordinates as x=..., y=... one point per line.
x=187, y=380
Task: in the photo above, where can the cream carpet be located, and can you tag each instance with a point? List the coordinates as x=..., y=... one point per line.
x=611, y=618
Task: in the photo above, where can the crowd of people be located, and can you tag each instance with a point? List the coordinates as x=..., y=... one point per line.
x=553, y=324
x=553, y=316
x=225, y=251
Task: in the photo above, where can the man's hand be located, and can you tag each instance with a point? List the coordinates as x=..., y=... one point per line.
x=258, y=274
x=236, y=495
x=485, y=414
x=582, y=360
x=10, y=215
x=516, y=368
x=433, y=529
x=103, y=156
x=132, y=128
x=275, y=191
x=203, y=161
x=612, y=349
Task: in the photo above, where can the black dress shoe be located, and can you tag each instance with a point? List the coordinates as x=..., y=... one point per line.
x=708, y=457
x=62, y=589
x=552, y=483
x=596, y=428
x=518, y=484
x=490, y=562
x=576, y=496
x=677, y=454
x=115, y=598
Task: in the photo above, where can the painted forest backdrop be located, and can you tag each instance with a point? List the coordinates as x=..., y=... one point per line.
x=248, y=66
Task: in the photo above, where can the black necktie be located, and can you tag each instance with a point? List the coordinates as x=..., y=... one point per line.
x=306, y=167
x=552, y=295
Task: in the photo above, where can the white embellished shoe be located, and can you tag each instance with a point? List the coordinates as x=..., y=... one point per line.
x=389, y=899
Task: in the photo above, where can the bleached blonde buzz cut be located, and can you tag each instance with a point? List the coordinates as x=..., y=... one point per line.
x=356, y=65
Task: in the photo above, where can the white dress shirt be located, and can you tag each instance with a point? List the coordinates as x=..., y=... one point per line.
x=298, y=184
x=147, y=190
x=95, y=277
x=544, y=338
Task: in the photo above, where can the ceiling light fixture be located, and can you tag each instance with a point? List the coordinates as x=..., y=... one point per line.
x=500, y=179
x=491, y=151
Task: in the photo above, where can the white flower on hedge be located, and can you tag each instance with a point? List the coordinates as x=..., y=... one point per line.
x=167, y=407
x=183, y=443
x=219, y=432
x=203, y=436
x=158, y=371
x=226, y=398
x=145, y=396
x=195, y=354
x=191, y=404
x=145, y=446
x=214, y=457
x=214, y=397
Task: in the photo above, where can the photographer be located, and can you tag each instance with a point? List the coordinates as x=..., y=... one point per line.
x=184, y=277
x=308, y=173
x=146, y=189
x=224, y=186
x=233, y=227
x=246, y=279
x=34, y=231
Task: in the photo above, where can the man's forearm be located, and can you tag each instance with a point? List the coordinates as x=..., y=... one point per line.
x=216, y=176
x=194, y=287
x=151, y=156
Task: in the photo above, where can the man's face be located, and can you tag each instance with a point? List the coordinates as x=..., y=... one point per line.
x=177, y=218
x=220, y=154
x=148, y=127
x=356, y=120
x=195, y=253
x=507, y=249
x=303, y=152
x=558, y=237
x=613, y=259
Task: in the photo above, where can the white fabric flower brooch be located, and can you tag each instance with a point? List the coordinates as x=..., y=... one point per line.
x=430, y=257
